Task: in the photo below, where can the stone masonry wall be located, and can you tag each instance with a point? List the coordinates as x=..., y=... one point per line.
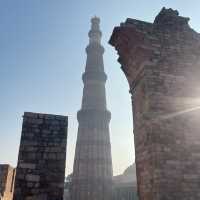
x=7, y=178
x=162, y=65
x=42, y=155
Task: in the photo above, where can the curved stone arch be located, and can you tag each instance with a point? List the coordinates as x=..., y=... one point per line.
x=161, y=63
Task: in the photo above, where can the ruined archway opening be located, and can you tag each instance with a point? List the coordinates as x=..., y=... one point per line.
x=122, y=140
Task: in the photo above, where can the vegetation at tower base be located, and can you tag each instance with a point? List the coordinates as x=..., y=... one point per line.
x=41, y=163
x=161, y=61
x=92, y=172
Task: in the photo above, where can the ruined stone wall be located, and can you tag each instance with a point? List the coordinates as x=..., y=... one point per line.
x=42, y=154
x=7, y=178
x=162, y=65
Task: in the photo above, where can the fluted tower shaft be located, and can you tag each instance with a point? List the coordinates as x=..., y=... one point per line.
x=92, y=173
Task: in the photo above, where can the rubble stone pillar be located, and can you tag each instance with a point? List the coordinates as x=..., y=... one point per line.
x=161, y=61
x=41, y=162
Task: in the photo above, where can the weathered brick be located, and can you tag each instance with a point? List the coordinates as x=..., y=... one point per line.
x=161, y=61
x=7, y=179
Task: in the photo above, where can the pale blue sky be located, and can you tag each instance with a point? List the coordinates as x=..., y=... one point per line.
x=42, y=58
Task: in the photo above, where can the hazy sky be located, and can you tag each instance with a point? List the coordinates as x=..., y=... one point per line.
x=42, y=58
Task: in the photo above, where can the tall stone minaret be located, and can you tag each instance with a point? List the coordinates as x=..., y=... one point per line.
x=92, y=173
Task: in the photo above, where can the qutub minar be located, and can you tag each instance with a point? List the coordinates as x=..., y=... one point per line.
x=92, y=173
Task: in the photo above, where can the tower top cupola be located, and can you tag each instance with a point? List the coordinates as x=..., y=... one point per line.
x=95, y=20
x=95, y=32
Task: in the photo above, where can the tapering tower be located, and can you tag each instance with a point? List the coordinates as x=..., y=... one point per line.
x=92, y=173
